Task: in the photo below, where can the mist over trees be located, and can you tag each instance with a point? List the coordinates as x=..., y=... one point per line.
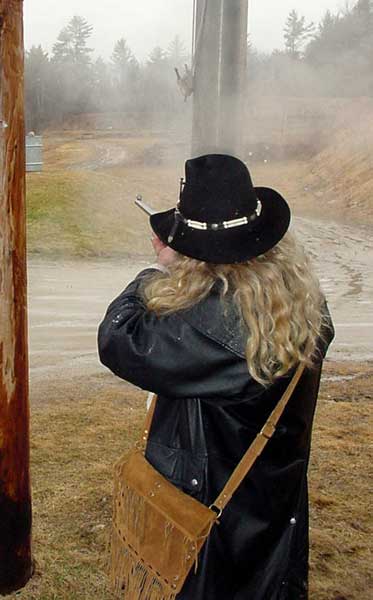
x=71, y=82
x=296, y=33
x=333, y=59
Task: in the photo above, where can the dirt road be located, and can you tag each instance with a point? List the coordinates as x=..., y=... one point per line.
x=343, y=257
x=68, y=299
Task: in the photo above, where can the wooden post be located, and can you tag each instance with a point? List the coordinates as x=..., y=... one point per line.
x=233, y=75
x=15, y=495
x=206, y=78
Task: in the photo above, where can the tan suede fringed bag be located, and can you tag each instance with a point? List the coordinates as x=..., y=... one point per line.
x=158, y=530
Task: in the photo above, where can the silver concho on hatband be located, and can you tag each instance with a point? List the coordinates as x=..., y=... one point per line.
x=204, y=226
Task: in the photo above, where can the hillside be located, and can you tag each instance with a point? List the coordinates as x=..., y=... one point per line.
x=330, y=174
x=343, y=172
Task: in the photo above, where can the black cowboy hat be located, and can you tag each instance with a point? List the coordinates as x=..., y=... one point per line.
x=221, y=217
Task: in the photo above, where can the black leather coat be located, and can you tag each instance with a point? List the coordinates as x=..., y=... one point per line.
x=209, y=410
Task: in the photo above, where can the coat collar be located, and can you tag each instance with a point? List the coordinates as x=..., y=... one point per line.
x=219, y=319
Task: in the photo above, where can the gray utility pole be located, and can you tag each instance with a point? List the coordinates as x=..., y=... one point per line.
x=15, y=494
x=233, y=73
x=206, y=77
x=220, y=76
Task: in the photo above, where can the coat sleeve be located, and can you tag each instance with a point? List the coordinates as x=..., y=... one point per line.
x=327, y=332
x=165, y=355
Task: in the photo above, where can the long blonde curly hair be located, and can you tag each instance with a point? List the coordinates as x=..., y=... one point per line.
x=277, y=294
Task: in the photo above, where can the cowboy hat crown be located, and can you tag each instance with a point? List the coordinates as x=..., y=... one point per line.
x=221, y=217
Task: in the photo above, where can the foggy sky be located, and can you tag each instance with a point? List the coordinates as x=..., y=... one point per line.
x=149, y=23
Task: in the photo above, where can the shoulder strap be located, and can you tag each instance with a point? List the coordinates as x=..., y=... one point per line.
x=258, y=445
x=255, y=449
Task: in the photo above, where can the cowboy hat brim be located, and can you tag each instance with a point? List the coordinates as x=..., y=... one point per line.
x=228, y=246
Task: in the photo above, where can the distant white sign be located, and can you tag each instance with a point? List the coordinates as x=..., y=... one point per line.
x=34, y=153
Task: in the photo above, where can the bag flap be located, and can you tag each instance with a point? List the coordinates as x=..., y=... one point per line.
x=186, y=513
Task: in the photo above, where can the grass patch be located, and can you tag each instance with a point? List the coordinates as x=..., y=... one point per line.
x=54, y=219
x=77, y=213
x=92, y=213
x=82, y=204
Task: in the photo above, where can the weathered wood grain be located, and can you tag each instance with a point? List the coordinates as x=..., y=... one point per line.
x=15, y=495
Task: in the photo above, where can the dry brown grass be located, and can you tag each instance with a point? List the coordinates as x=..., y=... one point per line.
x=81, y=427
x=78, y=431
x=341, y=476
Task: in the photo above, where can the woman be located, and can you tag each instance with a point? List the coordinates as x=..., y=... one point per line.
x=217, y=333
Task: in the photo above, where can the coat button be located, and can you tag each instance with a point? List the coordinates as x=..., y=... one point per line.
x=293, y=521
x=194, y=482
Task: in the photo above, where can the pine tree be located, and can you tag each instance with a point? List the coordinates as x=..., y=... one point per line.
x=126, y=73
x=296, y=33
x=62, y=51
x=176, y=53
x=36, y=61
x=122, y=56
x=72, y=67
x=157, y=57
x=327, y=24
x=254, y=60
x=159, y=82
x=102, y=85
x=323, y=47
x=80, y=31
x=362, y=15
x=71, y=45
x=37, y=80
x=364, y=8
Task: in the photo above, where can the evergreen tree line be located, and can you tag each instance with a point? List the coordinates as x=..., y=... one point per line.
x=71, y=81
x=334, y=58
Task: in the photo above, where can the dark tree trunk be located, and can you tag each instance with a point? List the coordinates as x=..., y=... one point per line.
x=15, y=495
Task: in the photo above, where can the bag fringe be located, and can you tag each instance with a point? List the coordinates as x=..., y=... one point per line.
x=131, y=578
x=134, y=577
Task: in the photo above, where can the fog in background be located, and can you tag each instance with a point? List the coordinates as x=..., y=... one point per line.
x=101, y=88
x=114, y=68
x=149, y=23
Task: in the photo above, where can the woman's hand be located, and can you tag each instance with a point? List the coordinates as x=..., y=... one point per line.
x=165, y=254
